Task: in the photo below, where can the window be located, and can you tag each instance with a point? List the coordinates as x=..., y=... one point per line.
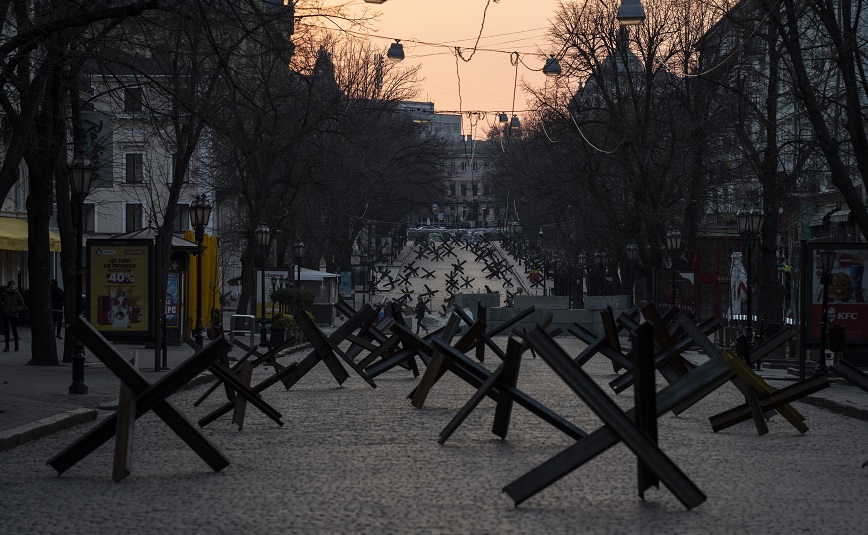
x=452, y=188
x=486, y=189
x=134, y=214
x=182, y=218
x=132, y=99
x=475, y=190
x=89, y=218
x=135, y=167
x=452, y=165
x=464, y=190
x=475, y=165
x=464, y=166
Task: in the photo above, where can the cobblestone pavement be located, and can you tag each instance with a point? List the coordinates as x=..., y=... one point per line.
x=354, y=459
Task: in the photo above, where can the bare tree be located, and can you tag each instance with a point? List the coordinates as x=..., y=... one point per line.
x=613, y=156
x=833, y=34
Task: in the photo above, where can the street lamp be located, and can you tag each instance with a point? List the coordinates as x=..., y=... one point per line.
x=673, y=243
x=582, y=261
x=80, y=175
x=263, y=238
x=200, y=213
x=273, y=289
x=749, y=223
x=298, y=250
x=396, y=51
x=552, y=67
x=630, y=13
x=363, y=260
x=827, y=260
x=602, y=258
x=282, y=285
x=514, y=124
x=632, y=257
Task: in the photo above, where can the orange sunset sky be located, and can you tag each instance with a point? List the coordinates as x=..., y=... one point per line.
x=487, y=80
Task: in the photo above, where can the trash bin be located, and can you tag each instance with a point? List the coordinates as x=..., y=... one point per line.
x=836, y=338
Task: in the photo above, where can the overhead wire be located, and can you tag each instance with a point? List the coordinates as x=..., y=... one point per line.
x=479, y=35
x=515, y=82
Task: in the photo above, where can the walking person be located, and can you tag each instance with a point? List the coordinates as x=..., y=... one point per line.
x=57, y=308
x=420, y=314
x=11, y=304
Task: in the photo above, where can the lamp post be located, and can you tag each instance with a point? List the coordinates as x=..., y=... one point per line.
x=602, y=258
x=673, y=244
x=298, y=250
x=273, y=288
x=827, y=260
x=749, y=223
x=200, y=213
x=363, y=260
x=582, y=261
x=632, y=257
x=282, y=285
x=263, y=238
x=80, y=175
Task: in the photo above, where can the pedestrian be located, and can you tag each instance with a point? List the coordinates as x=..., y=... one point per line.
x=420, y=314
x=11, y=304
x=57, y=308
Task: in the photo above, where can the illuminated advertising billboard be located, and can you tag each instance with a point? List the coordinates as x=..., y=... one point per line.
x=846, y=291
x=119, y=287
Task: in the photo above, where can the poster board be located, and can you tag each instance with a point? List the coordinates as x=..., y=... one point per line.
x=119, y=287
x=346, y=285
x=280, y=278
x=847, y=304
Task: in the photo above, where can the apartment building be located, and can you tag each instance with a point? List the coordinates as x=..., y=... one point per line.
x=468, y=200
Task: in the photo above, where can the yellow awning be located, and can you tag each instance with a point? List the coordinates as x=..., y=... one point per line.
x=13, y=235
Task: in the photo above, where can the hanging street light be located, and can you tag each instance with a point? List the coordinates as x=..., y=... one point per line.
x=396, y=51
x=80, y=176
x=630, y=13
x=514, y=124
x=552, y=68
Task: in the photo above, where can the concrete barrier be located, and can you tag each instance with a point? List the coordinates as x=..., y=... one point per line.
x=558, y=306
x=589, y=319
x=489, y=300
x=542, y=302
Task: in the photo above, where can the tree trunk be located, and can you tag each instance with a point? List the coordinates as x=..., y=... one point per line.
x=248, y=282
x=771, y=292
x=44, y=347
x=41, y=158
